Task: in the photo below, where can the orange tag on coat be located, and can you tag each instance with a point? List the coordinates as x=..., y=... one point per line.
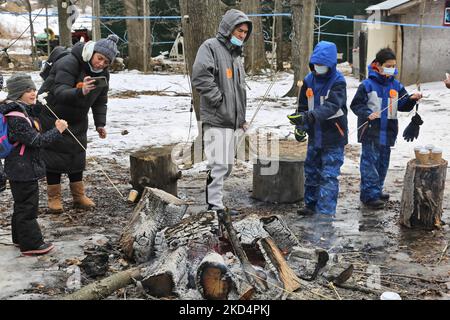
x=309, y=93
x=393, y=93
x=79, y=85
x=229, y=73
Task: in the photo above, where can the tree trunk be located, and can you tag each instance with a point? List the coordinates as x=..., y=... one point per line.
x=200, y=22
x=137, y=50
x=303, y=40
x=199, y=236
x=96, y=29
x=254, y=50
x=33, y=46
x=156, y=210
x=285, y=186
x=163, y=278
x=423, y=194
x=279, y=34
x=154, y=168
x=65, y=25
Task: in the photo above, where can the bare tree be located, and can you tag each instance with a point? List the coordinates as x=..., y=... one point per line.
x=255, y=53
x=139, y=34
x=33, y=47
x=96, y=32
x=278, y=8
x=302, y=41
x=64, y=22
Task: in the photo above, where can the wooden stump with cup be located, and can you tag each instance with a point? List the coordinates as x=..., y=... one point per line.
x=423, y=189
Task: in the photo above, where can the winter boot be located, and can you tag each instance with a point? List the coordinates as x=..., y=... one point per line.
x=79, y=198
x=54, y=199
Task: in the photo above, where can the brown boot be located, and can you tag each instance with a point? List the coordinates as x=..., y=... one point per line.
x=79, y=198
x=54, y=199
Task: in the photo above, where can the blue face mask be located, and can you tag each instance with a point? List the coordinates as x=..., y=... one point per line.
x=235, y=41
x=390, y=71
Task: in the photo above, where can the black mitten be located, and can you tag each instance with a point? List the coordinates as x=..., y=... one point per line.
x=412, y=130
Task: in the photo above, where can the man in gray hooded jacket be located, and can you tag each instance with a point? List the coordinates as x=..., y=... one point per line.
x=219, y=77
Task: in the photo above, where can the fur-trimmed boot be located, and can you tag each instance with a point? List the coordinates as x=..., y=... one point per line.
x=79, y=197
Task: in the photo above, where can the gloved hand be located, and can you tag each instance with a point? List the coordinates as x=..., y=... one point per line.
x=301, y=119
x=299, y=134
x=412, y=130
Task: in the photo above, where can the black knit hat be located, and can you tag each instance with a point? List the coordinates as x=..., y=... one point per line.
x=107, y=47
x=18, y=84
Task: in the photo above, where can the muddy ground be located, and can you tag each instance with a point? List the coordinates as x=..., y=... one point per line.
x=410, y=262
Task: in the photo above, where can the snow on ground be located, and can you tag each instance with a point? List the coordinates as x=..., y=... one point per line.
x=159, y=120
x=15, y=24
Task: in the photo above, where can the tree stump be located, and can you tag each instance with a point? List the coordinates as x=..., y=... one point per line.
x=154, y=168
x=278, y=180
x=423, y=193
x=156, y=210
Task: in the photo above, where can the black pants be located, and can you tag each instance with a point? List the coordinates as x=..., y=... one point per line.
x=25, y=229
x=55, y=178
x=2, y=178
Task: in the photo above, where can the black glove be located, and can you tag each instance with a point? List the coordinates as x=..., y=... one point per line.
x=412, y=130
x=301, y=119
x=299, y=134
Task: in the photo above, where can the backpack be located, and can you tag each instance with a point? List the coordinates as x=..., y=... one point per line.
x=56, y=54
x=5, y=146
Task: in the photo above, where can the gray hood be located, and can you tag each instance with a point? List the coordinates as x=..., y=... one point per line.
x=230, y=20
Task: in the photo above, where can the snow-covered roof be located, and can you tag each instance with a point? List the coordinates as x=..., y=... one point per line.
x=387, y=5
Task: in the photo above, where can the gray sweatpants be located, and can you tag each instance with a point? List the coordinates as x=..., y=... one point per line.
x=220, y=144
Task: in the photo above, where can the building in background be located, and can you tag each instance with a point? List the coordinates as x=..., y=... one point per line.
x=435, y=52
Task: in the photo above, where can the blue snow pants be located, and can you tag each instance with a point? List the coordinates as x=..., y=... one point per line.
x=374, y=167
x=322, y=169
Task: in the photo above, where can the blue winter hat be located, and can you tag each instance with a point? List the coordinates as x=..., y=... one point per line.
x=108, y=47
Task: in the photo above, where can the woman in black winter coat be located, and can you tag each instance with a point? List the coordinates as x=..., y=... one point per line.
x=24, y=166
x=71, y=94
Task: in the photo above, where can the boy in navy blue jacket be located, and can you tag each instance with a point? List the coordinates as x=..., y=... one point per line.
x=376, y=104
x=322, y=113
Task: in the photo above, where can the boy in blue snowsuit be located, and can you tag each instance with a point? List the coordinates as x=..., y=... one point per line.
x=322, y=113
x=376, y=104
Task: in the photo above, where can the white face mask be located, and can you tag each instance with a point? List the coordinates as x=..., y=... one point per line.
x=390, y=71
x=321, y=69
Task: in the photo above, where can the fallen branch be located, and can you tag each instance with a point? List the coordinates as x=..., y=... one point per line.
x=404, y=276
x=104, y=288
x=225, y=220
x=443, y=253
